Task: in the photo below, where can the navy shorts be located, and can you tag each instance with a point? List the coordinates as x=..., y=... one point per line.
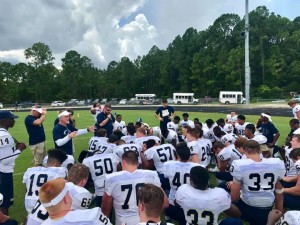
x=6, y=189
x=291, y=202
x=253, y=215
x=176, y=213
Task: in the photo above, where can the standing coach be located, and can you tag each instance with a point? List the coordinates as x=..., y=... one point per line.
x=164, y=114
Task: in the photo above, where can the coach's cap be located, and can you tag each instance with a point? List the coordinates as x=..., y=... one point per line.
x=297, y=132
x=40, y=110
x=64, y=113
x=6, y=114
x=185, y=114
x=53, y=192
x=266, y=115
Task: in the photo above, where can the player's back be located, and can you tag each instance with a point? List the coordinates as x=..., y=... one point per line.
x=100, y=145
x=129, y=139
x=100, y=165
x=289, y=163
x=160, y=154
x=258, y=179
x=121, y=149
x=123, y=187
x=178, y=174
x=81, y=217
x=35, y=177
x=229, y=153
x=202, y=207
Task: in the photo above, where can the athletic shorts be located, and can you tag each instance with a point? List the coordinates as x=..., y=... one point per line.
x=6, y=189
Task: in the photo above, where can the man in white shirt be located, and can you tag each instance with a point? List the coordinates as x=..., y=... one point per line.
x=55, y=196
x=121, y=190
x=35, y=177
x=256, y=184
x=119, y=125
x=240, y=125
x=186, y=121
x=9, y=152
x=296, y=109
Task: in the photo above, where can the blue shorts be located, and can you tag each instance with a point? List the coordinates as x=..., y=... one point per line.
x=6, y=189
x=176, y=213
x=253, y=215
x=291, y=202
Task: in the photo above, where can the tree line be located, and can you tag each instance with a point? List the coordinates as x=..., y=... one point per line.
x=204, y=62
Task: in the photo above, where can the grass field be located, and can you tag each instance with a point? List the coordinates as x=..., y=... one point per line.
x=84, y=119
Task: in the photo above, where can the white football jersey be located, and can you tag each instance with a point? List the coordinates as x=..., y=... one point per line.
x=200, y=147
x=119, y=126
x=8, y=152
x=240, y=129
x=231, y=119
x=70, y=160
x=202, y=207
x=129, y=139
x=209, y=134
x=98, y=144
x=289, y=163
x=260, y=139
x=35, y=177
x=172, y=136
x=187, y=123
x=100, y=165
x=257, y=179
x=295, y=110
x=290, y=218
x=121, y=149
x=123, y=187
x=178, y=174
x=229, y=153
x=160, y=154
x=172, y=126
x=81, y=217
x=81, y=199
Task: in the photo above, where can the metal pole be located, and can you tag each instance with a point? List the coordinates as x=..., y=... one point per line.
x=247, y=67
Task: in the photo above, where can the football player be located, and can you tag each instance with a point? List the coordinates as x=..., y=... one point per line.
x=121, y=190
x=240, y=125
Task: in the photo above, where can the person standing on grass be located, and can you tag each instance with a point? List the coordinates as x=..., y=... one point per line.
x=63, y=134
x=296, y=109
x=105, y=119
x=9, y=152
x=165, y=114
x=36, y=132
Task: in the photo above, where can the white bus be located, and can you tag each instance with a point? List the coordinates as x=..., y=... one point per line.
x=149, y=97
x=232, y=97
x=184, y=98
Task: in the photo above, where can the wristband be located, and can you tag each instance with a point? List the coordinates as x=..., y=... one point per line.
x=279, y=191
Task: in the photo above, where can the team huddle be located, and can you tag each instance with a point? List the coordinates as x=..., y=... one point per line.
x=136, y=174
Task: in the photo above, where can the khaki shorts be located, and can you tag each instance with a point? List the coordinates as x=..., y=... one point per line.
x=39, y=153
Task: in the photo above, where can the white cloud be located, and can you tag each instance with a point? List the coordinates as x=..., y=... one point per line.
x=106, y=30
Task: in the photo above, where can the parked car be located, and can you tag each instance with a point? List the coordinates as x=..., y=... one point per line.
x=170, y=100
x=81, y=102
x=103, y=101
x=206, y=99
x=26, y=104
x=123, y=102
x=134, y=101
x=114, y=101
x=296, y=98
x=57, y=104
x=1, y=105
x=72, y=102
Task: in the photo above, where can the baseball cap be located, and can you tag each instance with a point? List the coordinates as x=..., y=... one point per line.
x=5, y=114
x=64, y=113
x=40, y=110
x=266, y=115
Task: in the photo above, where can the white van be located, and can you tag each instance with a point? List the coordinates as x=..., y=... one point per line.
x=232, y=97
x=184, y=98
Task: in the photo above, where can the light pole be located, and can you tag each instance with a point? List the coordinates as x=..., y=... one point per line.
x=247, y=66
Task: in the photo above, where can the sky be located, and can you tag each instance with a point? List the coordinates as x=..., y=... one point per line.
x=107, y=30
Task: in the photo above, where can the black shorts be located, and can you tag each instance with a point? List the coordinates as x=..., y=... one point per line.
x=6, y=189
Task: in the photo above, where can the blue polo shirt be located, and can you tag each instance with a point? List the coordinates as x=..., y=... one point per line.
x=36, y=133
x=108, y=126
x=268, y=130
x=165, y=112
x=59, y=132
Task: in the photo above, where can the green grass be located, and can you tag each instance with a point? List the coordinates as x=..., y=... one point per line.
x=84, y=119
